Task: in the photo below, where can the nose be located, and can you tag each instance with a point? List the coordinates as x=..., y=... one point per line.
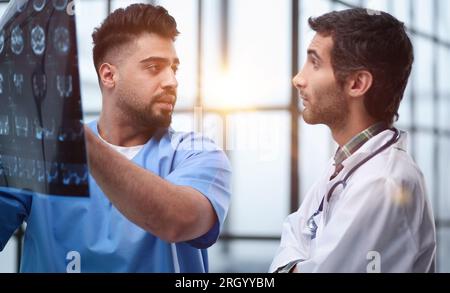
x=299, y=81
x=170, y=80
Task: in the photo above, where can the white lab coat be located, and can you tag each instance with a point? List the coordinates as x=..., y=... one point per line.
x=382, y=221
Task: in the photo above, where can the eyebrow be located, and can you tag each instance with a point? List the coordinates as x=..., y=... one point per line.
x=314, y=53
x=176, y=61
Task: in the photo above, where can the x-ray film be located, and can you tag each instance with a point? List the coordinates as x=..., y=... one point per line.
x=42, y=146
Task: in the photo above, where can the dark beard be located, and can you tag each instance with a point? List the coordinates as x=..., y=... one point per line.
x=146, y=117
x=331, y=114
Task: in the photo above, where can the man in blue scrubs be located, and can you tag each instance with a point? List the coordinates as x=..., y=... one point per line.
x=158, y=197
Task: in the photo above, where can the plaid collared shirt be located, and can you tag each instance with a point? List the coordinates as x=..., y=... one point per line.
x=356, y=142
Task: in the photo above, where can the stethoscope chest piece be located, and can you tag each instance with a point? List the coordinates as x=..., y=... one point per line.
x=312, y=226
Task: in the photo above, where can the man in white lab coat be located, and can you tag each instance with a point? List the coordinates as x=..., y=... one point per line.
x=369, y=210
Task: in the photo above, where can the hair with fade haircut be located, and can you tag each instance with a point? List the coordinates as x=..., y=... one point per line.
x=123, y=25
x=376, y=42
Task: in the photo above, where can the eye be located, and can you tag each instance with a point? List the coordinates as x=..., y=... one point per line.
x=315, y=63
x=175, y=68
x=154, y=68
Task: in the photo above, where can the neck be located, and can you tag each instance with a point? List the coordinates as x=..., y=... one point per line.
x=343, y=133
x=118, y=129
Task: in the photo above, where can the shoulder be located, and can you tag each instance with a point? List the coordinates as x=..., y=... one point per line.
x=188, y=146
x=390, y=177
x=397, y=185
x=393, y=165
x=398, y=166
x=189, y=141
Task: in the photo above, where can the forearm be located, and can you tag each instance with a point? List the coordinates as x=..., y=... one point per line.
x=294, y=245
x=173, y=213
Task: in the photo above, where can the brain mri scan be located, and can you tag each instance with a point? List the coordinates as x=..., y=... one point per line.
x=38, y=5
x=61, y=40
x=42, y=146
x=17, y=40
x=38, y=40
x=60, y=4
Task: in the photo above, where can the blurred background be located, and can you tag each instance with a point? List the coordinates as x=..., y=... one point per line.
x=237, y=61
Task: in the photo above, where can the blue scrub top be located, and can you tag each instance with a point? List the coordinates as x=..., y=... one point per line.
x=59, y=227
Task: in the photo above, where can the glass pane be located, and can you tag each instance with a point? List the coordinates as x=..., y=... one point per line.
x=444, y=112
x=316, y=148
x=338, y=6
x=401, y=10
x=444, y=183
x=185, y=14
x=309, y=9
x=8, y=257
x=259, y=60
x=443, y=20
x=212, y=127
x=86, y=22
x=215, y=129
x=444, y=87
x=382, y=5
x=444, y=69
x=423, y=13
x=355, y=2
x=405, y=108
x=422, y=82
x=443, y=253
x=242, y=256
x=183, y=122
x=122, y=3
x=214, y=76
x=258, y=144
x=424, y=157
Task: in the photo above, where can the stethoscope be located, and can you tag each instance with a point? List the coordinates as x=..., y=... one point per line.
x=312, y=226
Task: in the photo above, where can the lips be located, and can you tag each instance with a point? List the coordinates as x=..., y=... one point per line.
x=303, y=97
x=166, y=102
x=304, y=101
x=168, y=99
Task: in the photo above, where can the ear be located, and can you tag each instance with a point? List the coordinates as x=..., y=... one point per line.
x=108, y=75
x=359, y=83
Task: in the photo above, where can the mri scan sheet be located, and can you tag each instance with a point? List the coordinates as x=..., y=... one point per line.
x=42, y=146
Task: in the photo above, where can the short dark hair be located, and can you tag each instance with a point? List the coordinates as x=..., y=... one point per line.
x=123, y=25
x=376, y=42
